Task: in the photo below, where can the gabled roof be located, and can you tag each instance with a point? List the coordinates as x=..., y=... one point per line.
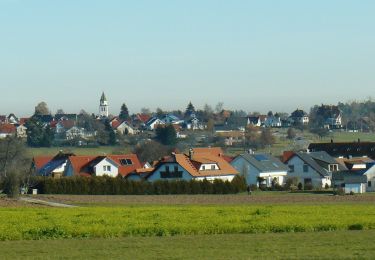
x=124, y=170
x=305, y=157
x=67, y=124
x=143, y=117
x=323, y=156
x=7, y=128
x=354, y=149
x=264, y=162
x=192, y=165
x=40, y=161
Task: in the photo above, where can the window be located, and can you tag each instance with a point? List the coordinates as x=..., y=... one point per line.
x=167, y=168
x=203, y=168
x=305, y=168
x=291, y=168
x=176, y=168
x=213, y=167
x=369, y=184
x=126, y=162
x=107, y=168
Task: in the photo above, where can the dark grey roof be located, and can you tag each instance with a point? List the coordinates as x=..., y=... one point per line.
x=323, y=156
x=350, y=177
x=309, y=160
x=346, y=149
x=265, y=162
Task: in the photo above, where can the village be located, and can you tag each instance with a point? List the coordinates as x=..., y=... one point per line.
x=203, y=145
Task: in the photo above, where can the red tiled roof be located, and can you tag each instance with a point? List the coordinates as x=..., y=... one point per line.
x=23, y=120
x=287, y=155
x=80, y=163
x=116, y=124
x=7, y=128
x=40, y=161
x=143, y=117
x=124, y=170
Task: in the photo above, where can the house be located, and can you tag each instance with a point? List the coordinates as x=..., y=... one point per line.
x=12, y=119
x=21, y=131
x=7, y=130
x=194, y=166
x=171, y=119
x=51, y=166
x=76, y=132
x=153, y=123
x=260, y=169
x=312, y=168
x=258, y=120
x=331, y=116
x=123, y=127
x=194, y=124
x=359, y=176
x=299, y=117
x=109, y=165
x=273, y=121
x=345, y=149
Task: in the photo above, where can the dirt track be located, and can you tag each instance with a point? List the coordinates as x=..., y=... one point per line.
x=207, y=199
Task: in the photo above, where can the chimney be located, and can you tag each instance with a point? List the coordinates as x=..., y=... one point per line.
x=191, y=153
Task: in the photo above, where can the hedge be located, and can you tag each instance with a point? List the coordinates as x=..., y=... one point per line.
x=119, y=186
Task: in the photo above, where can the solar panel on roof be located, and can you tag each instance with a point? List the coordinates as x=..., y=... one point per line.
x=260, y=157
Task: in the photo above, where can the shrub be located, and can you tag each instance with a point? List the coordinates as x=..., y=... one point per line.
x=308, y=186
x=300, y=186
x=118, y=186
x=339, y=191
x=326, y=186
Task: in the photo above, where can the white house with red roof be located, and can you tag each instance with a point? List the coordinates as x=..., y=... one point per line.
x=200, y=164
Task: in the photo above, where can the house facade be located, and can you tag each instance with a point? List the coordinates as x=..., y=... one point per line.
x=260, y=169
x=313, y=169
x=199, y=165
x=299, y=117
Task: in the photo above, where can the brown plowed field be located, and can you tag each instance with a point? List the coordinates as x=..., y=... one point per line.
x=269, y=198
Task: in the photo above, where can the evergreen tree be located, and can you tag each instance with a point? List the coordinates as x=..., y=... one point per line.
x=124, y=112
x=166, y=135
x=110, y=133
x=190, y=109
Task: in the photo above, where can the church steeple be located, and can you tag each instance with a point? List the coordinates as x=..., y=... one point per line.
x=103, y=106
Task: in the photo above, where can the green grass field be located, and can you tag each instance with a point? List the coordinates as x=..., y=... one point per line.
x=320, y=245
x=265, y=225
x=45, y=151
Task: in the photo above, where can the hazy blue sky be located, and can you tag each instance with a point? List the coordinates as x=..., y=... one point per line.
x=252, y=55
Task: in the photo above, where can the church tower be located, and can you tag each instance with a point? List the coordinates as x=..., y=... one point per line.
x=103, y=107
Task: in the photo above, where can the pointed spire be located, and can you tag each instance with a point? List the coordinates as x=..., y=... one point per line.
x=103, y=98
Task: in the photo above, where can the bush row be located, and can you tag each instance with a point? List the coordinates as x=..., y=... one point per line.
x=119, y=186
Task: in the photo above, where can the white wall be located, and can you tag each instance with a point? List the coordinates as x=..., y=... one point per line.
x=316, y=178
x=99, y=168
x=252, y=173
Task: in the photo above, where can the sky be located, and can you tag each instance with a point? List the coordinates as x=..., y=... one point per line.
x=253, y=55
